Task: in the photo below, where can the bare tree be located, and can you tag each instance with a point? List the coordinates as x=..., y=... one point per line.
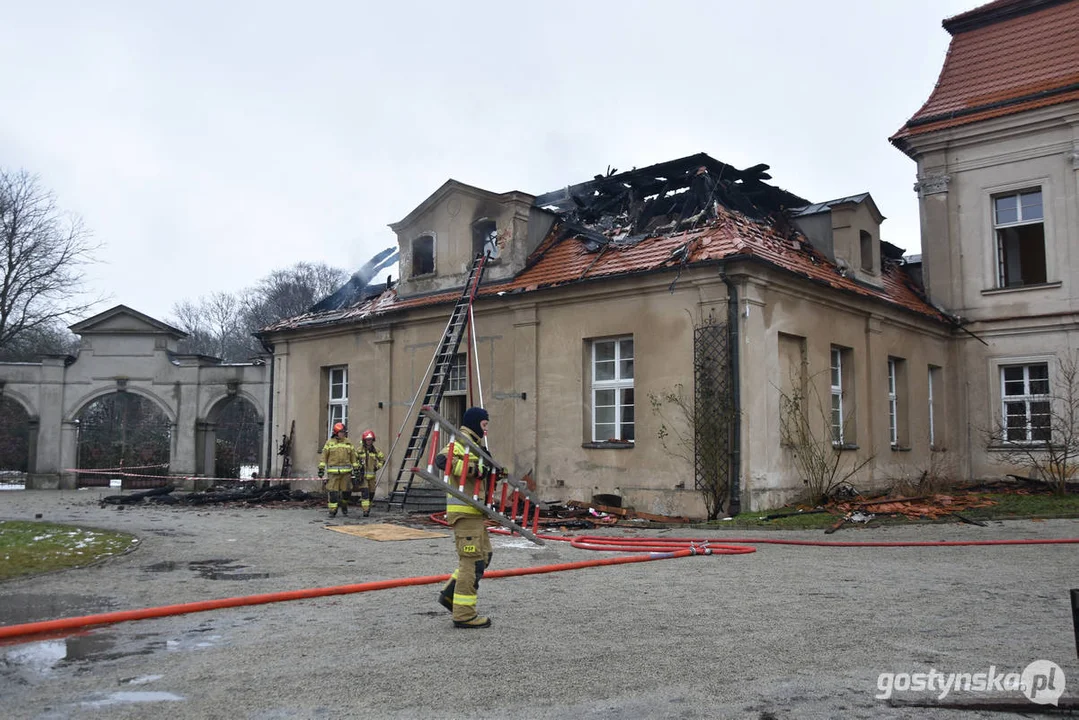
x=805, y=429
x=290, y=292
x=42, y=254
x=223, y=324
x=1041, y=431
x=216, y=326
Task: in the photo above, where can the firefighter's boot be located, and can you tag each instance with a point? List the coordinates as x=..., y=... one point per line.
x=477, y=622
x=445, y=598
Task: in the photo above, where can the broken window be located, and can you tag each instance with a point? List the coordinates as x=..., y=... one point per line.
x=612, y=390
x=423, y=255
x=1025, y=397
x=866, y=241
x=1020, y=231
x=485, y=238
x=337, y=397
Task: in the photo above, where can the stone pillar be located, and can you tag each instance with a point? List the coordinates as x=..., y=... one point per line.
x=48, y=462
x=69, y=444
x=525, y=414
x=182, y=460
x=938, y=245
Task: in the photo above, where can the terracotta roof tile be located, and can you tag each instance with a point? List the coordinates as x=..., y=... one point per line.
x=561, y=261
x=1004, y=58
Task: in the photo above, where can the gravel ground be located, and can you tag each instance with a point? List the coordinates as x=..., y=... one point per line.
x=786, y=632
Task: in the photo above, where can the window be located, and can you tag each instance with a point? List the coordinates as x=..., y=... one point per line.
x=893, y=415
x=1025, y=397
x=1020, y=231
x=423, y=255
x=485, y=237
x=837, y=396
x=866, y=242
x=897, y=403
x=612, y=390
x=337, y=409
x=934, y=398
x=457, y=379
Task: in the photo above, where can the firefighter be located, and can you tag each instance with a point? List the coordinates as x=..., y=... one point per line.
x=469, y=530
x=339, y=460
x=370, y=459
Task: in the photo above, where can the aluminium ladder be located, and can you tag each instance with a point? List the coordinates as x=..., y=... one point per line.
x=421, y=498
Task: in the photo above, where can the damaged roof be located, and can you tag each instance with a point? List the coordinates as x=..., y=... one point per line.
x=688, y=212
x=1005, y=57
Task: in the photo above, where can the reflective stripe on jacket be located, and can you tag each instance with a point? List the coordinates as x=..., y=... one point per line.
x=453, y=504
x=369, y=461
x=338, y=456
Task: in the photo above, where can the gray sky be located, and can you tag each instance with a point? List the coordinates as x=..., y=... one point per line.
x=208, y=143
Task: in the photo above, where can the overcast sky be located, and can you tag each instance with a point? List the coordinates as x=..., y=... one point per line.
x=206, y=144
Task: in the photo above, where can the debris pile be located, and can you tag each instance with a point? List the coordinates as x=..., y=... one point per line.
x=247, y=495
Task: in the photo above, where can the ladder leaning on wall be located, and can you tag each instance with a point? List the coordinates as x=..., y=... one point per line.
x=421, y=498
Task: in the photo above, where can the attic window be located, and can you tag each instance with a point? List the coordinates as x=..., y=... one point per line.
x=423, y=255
x=866, y=241
x=484, y=237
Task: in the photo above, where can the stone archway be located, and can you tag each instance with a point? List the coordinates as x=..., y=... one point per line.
x=230, y=437
x=18, y=433
x=124, y=351
x=122, y=430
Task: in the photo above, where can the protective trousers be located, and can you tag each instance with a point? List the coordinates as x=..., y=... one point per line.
x=473, y=556
x=367, y=492
x=338, y=490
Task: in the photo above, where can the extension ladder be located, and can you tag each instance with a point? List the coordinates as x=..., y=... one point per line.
x=403, y=493
x=497, y=495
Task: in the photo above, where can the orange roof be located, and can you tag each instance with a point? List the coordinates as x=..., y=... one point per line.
x=1005, y=57
x=565, y=260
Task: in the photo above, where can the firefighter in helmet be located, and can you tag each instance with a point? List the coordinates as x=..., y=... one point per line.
x=469, y=530
x=339, y=460
x=370, y=459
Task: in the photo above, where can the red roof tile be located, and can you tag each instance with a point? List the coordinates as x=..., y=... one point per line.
x=731, y=236
x=1004, y=58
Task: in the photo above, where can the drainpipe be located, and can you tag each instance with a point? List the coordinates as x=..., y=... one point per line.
x=734, y=349
x=268, y=427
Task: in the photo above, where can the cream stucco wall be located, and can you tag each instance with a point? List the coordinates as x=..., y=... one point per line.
x=959, y=171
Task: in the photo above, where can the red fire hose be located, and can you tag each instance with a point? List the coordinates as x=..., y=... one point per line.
x=656, y=549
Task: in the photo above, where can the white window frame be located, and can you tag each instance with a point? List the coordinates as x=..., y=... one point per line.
x=1019, y=222
x=336, y=397
x=836, y=381
x=1027, y=398
x=457, y=375
x=893, y=406
x=932, y=417
x=619, y=383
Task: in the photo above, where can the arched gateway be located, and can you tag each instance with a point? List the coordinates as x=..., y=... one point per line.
x=123, y=350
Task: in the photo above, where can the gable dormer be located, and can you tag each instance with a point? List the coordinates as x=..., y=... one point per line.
x=439, y=239
x=847, y=230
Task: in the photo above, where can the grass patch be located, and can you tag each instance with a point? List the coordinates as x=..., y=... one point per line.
x=30, y=548
x=1014, y=505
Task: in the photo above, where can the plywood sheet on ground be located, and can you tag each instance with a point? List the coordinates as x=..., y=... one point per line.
x=385, y=531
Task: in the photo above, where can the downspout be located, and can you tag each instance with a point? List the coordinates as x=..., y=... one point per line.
x=734, y=348
x=268, y=427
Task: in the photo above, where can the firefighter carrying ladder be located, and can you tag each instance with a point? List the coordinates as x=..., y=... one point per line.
x=421, y=498
x=513, y=506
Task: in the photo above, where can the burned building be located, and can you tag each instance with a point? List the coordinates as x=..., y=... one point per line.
x=636, y=335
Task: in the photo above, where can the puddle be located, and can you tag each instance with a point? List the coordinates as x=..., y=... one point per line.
x=120, y=698
x=216, y=569
x=19, y=608
x=223, y=570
